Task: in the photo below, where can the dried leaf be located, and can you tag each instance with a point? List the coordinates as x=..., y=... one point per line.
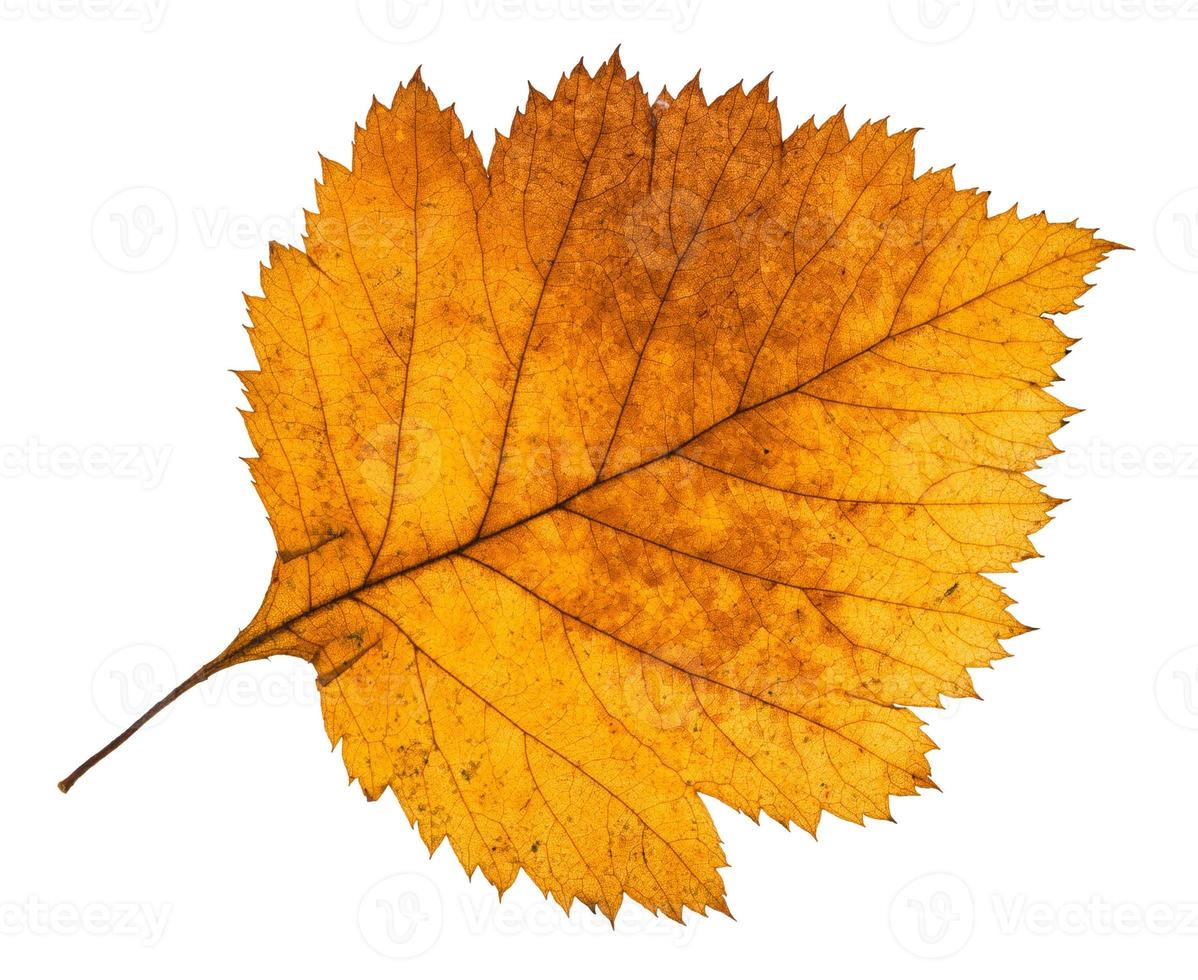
x=662, y=457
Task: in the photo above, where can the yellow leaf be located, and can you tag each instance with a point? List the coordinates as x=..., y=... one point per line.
x=662, y=457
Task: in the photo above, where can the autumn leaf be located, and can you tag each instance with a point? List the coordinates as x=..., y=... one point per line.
x=661, y=457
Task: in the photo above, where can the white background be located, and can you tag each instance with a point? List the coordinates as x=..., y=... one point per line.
x=224, y=840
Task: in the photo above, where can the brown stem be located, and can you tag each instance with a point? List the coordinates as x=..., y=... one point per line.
x=226, y=659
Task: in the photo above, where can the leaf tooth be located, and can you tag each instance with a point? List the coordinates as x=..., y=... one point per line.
x=692, y=90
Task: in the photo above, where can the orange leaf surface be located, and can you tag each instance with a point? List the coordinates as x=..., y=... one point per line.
x=662, y=457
